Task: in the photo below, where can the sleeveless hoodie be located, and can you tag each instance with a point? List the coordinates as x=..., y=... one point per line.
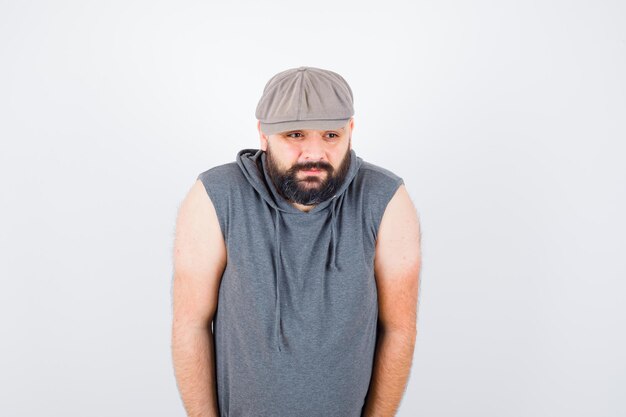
x=296, y=321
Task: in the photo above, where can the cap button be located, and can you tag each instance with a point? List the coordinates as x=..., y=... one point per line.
x=301, y=68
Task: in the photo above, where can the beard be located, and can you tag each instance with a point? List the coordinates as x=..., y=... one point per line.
x=312, y=189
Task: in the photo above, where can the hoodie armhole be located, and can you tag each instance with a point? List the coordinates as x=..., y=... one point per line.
x=385, y=197
x=214, y=200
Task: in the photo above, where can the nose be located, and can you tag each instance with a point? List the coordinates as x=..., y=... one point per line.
x=313, y=149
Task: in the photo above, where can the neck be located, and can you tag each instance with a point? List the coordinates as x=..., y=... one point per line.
x=301, y=207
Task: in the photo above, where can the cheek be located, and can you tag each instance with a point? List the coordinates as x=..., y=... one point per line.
x=339, y=155
x=289, y=155
x=285, y=155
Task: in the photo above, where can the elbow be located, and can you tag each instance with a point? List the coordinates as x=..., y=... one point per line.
x=406, y=334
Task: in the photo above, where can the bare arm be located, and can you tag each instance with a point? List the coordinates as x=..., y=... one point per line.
x=397, y=265
x=199, y=260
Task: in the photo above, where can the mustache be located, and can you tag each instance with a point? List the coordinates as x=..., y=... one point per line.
x=312, y=165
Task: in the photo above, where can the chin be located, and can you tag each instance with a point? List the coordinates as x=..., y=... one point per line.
x=309, y=188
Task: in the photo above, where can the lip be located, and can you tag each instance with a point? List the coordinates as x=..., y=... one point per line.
x=314, y=171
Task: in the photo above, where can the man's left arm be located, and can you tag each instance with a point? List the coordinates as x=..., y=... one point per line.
x=397, y=266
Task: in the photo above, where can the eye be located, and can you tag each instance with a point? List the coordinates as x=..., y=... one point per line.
x=294, y=135
x=333, y=135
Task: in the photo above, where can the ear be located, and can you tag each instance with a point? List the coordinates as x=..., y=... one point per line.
x=262, y=137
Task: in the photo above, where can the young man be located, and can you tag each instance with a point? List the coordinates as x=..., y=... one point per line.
x=305, y=259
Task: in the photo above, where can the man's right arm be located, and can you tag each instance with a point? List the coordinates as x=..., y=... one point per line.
x=199, y=260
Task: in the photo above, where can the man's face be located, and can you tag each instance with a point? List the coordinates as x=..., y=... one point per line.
x=308, y=166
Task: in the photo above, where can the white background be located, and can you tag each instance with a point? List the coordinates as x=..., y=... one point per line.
x=506, y=119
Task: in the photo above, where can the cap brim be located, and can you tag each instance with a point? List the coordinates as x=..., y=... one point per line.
x=273, y=128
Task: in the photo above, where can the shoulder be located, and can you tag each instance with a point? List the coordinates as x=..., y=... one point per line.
x=376, y=174
x=196, y=216
x=219, y=182
x=220, y=173
x=220, y=178
x=378, y=181
x=375, y=187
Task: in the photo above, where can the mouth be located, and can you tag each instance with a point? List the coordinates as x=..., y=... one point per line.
x=312, y=171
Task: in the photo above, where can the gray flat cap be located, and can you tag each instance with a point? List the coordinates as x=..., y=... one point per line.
x=305, y=98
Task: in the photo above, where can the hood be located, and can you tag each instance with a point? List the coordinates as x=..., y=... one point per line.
x=253, y=164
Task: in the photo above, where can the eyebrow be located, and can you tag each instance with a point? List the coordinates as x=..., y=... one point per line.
x=300, y=130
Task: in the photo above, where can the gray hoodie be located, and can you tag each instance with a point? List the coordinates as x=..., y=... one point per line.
x=296, y=321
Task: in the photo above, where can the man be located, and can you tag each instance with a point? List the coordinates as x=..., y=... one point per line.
x=305, y=259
